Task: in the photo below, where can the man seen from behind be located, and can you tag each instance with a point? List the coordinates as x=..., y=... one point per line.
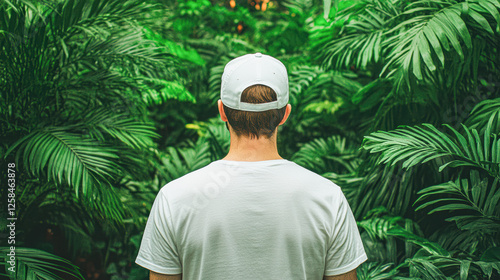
x=253, y=214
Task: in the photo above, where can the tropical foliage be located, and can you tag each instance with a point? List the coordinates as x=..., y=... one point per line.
x=102, y=102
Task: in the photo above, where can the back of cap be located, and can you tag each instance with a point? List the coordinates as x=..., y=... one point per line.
x=254, y=69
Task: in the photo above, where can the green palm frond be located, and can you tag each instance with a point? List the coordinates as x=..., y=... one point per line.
x=134, y=134
x=317, y=90
x=157, y=91
x=429, y=246
x=481, y=114
x=68, y=159
x=68, y=19
x=375, y=271
x=427, y=267
x=34, y=264
x=79, y=55
x=131, y=132
x=440, y=43
x=384, y=185
x=487, y=268
x=333, y=154
x=474, y=202
x=178, y=162
x=420, y=144
x=88, y=68
x=311, y=87
x=430, y=267
x=210, y=49
x=308, y=84
x=178, y=50
x=390, y=107
x=438, y=29
x=301, y=77
x=372, y=94
x=385, y=227
x=452, y=238
x=379, y=221
x=431, y=261
x=360, y=40
x=124, y=51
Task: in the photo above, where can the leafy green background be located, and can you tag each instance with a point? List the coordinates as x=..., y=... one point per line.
x=102, y=102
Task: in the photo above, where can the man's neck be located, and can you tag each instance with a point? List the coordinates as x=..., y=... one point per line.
x=252, y=149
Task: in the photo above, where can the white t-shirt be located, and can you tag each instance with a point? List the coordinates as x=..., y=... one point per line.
x=268, y=219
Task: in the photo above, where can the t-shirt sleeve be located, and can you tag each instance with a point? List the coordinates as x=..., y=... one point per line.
x=158, y=251
x=346, y=250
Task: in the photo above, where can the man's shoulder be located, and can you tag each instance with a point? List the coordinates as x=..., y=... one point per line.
x=302, y=174
x=216, y=171
x=309, y=173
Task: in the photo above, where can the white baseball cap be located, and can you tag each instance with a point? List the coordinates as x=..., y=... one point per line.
x=249, y=70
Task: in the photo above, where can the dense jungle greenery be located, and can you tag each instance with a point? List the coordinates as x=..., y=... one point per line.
x=103, y=102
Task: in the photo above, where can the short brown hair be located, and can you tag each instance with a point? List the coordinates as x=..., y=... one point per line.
x=255, y=124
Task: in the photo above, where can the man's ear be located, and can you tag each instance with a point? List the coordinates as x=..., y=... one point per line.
x=287, y=113
x=221, y=111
